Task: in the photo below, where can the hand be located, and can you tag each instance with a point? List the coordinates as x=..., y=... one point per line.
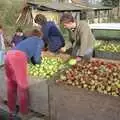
x=63, y=49
x=78, y=58
x=45, y=49
x=13, y=45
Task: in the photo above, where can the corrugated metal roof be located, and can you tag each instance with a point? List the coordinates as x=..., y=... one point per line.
x=96, y=7
x=81, y=2
x=60, y=7
x=99, y=7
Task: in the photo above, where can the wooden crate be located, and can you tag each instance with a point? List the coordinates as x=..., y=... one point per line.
x=38, y=93
x=68, y=103
x=38, y=88
x=107, y=55
x=71, y=103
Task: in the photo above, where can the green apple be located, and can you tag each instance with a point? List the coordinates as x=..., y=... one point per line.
x=72, y=61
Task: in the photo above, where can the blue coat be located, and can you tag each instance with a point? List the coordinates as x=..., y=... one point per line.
x=52, y=36
x=32, y=47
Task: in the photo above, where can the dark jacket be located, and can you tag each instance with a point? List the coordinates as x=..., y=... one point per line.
x=32, y=46
x=17, y=39
x=52, y=36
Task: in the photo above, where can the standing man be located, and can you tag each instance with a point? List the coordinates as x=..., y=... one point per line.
x=81, y=37
x=16, y=71
x=51, y=34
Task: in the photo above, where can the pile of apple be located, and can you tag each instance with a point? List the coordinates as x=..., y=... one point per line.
x=109, y=47
x=95, y=75
x=97, y=43
x=47, y=68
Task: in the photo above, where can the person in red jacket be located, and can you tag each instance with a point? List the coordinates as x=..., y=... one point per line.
x=16, y=71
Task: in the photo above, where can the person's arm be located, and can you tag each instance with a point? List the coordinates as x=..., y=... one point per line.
x=13, y=44
x=68, y=42
x=86, y=39
x=37, y=55
x=2, y=42
x=13, y=40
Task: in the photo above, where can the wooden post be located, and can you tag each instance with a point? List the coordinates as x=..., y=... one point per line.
x=93, y=16
x=108, y=16
x=99, y=16
x=118, y=10
x=110, y=12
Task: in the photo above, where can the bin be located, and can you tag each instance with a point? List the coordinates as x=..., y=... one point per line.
x=69, y=103
x=72, y=103
x=106, y=55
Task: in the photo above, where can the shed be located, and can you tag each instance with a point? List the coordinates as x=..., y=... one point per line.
x=99, y=12
x=81, y=10
x=53, y=10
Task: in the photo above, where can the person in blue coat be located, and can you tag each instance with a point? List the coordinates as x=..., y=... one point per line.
x=32, y=46
x=51, y=34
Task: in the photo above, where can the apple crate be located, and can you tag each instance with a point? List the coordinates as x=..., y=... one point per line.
x=38, y=90
x=107, y=55
x=70, y=103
